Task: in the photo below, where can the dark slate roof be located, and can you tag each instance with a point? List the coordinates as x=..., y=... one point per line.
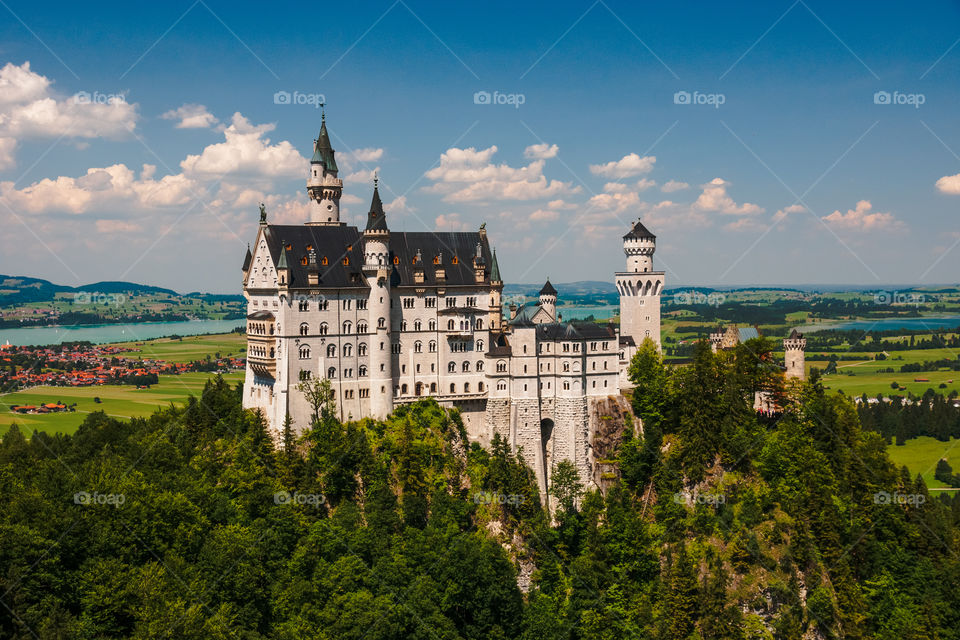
x=747, y=333
x=575, y=331
x=627, y=341
x=525, y=314
x=376, y=219
x=322, y=151
x=639, y=231
x=338, y=242
x=260, y=315
x=548, y=289
x=247, y=259
x=795, y=335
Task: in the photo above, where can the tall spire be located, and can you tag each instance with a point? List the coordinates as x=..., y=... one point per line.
x=322, y=150
x=376, y=218
x=282, y=263
x=247, y=259
x=495, y=269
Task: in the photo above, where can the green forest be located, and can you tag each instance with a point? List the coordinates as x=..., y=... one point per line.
x=718, y=523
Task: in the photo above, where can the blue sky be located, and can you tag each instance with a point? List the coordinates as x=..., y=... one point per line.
x=802, y=173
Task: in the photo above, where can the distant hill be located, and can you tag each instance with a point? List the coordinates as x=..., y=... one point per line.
x=113, y=286
x=16, y=290
x=564, y=289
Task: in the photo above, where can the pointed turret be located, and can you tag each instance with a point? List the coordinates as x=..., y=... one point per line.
x=282, y=263
x=494, y=268
x=283, y=269
x=376, y=218
x=323, y=186
x=322, y=150
x=247, y=260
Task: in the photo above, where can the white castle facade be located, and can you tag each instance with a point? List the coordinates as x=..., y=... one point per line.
x=392, y=317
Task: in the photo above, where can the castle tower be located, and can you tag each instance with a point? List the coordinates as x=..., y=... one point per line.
x=548, y=300
x=640, y=287
x=323, y=187
x=496, y=293
x=376, y=269
x=793, y=355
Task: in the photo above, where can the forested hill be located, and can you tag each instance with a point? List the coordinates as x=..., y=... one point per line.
x=724, y=524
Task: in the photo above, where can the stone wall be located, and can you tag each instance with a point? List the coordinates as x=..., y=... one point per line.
x=608, y=419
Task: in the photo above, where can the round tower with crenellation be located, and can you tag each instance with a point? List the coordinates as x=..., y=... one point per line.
x=794, y=348
x=376, y=270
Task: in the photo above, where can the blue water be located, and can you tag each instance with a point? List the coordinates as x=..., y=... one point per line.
x=939, y=322
x=103, y=333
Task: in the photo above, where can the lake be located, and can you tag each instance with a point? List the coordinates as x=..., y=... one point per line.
x=881, y=324
x=102, y=333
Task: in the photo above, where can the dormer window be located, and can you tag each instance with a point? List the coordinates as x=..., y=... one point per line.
x=436, y=260
x=324, y=261
x=346, y=261
x=455, y=260
x=289, y=247
x=303, y=260
x=396, y=259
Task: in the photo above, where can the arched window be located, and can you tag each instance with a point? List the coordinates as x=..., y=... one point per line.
x=381, y=323
x=403, y=389
x=480, y=387
x=323, y=328
x=304, y=352
x=501, y=386
x=466, y=387
x=403, y=325
x=417, y=347
x=433, y=387
x=566, y=385
x=347, y=350
x=362, y=371
x=417, y=325
x=453, y=388
x=479, y=324
x=304, y=328
x=347, y=326
x=332, y=373
x=362, y=349
x=501, y=366
x=433, y=346
x=566, y=366
x=302, y=305
x=361, y=327
x=331, y=350
x=451, y=325
x=432, y=325
x=465, y=367
x=451, y=367
x=480, y=345
x=479, y=365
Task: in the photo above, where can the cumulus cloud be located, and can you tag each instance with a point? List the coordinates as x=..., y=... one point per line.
x=30, y=109
x=674, y=185
x=628, y=166
x=367, y=154
x=745, y=224
x=715, y=198
x=191, y=116
x=543, y=151
x=469, y=175
x=787, y=211
x=247, y=152
x=863, y=218
x=949, y=184
x=450, y=222
x=398, y=205
x=544, y=215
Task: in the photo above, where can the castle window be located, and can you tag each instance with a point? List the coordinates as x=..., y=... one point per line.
x=303, y=260
x=396, y=259
x=466, y=387
x=453, y=388
x=455, y=260
x=305, y=375
x=480, y=366
x=362, y=349
x=324, y=261
x=501, y=386
x=348, y=373
x=303, y=305
x=479, y=324
x=432, y=325
x=347, y=350
x=361, y=327
x=331, y=350
x=304, y=352
x=403, y=325
x=430, y=303
x=304, y=329
x=433, y=387
x=362, y=371
x=403, y=389
x=347, y=326
x=479, y=346
x=323, y=328
x=566, y=366
x=417, y=347
x=566, y=386
x=289, y=247
x=332, y=373
x=417, y=325
x=381, y=323
x=433, y=346
x=346, y=261
x=501, y=366
x=324, y=305
x=436, y=260
x=451, y=367
x=396, y=348
x=466, y=366
x=480, y=387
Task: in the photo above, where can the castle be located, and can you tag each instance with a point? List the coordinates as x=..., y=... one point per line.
x=390, y=317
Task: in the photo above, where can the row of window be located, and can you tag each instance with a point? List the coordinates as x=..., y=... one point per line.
x=382, y=323
x=361, y=303
x=259, y=328
x=545, y=347
x=395, y=348
x=420, y=388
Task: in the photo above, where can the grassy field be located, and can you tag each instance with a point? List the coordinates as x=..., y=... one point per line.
x=190, y=348
x=118, y=401
x=920, y=456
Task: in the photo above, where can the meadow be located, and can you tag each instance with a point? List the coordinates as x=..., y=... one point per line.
x=920, y=455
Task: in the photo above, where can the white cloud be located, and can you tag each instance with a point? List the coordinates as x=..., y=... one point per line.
x=715, y=198
x=745, y=224
x=786, y=211
x=615, y=202
x=246, y=152
x=30, y=109
x=644, y=183
x=368, y=154
x=398, y=205
x=191, y=116
x=362, y=177
x=543, y=151
x=863, y=218
x=450, y=222
x=559, y=204
x=628, y=166
x=544, y=215
x=468, y=175
x=949, y=184
x=674, y=185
